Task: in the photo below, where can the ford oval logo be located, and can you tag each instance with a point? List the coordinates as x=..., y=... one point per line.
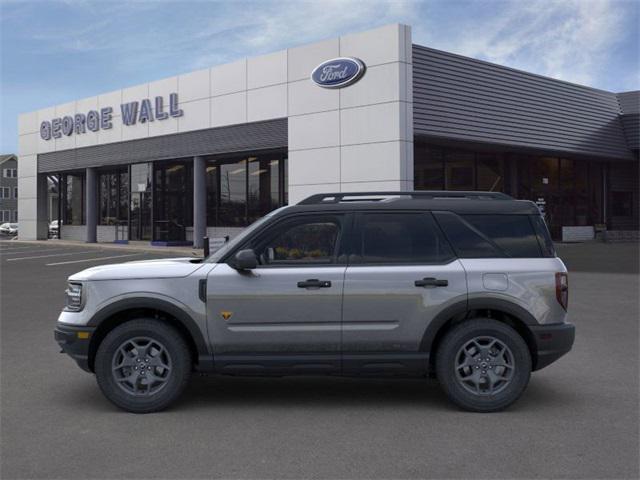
x=338, y=73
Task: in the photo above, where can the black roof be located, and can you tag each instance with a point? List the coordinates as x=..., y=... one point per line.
x=452, y=201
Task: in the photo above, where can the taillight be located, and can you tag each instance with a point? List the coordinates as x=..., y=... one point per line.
x=562, y=289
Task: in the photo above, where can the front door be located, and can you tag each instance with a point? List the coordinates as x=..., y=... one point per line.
x=402, y=273
x=284, y=316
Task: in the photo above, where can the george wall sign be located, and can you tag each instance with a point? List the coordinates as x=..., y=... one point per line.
x=338, y=72
x=94, y=120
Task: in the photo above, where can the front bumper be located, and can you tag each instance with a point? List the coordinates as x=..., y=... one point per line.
x=74, y=341
x=552, y=341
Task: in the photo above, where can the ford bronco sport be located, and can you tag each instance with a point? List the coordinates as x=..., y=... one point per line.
x=464, y=286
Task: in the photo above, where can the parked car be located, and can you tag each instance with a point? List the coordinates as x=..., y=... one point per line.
x=9, y=229
x=464, y=286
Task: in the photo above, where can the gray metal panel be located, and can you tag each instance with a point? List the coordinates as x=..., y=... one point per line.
x=629, y=101
x=631, y=127
x=461, y=98
x=235, y=138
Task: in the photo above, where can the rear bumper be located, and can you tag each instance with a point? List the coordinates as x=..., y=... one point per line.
x=74, y=341
x=552, y=342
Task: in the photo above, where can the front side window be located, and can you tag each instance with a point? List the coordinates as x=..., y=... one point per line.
x=311, y=240
x=393, y=238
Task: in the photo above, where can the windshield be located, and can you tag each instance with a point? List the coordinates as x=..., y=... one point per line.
x=214, y=257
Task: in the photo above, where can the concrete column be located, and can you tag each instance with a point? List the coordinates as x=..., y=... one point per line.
x=199, y=201
x=91, y=205
x=42, y=216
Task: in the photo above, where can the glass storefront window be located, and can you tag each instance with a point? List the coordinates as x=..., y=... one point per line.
x=113, y=197
x=241, y=190
x=140, y=201
x=459, y=171
x=173, y=200
x=490, y=173
x=428, y=168
x=264, y=186
x=568, y=191
x=233, y=194
x=73, y=199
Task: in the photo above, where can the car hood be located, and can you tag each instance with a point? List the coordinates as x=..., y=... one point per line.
x=163, y=268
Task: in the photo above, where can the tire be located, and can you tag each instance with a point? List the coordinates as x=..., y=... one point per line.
x=154, y=355
x=477, y=385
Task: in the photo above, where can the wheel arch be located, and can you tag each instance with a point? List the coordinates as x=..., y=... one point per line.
x=121, y=311
x=502, y=310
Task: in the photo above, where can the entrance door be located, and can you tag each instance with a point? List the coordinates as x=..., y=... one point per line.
x=402, y=273
x=284, y=316
x=140, y=216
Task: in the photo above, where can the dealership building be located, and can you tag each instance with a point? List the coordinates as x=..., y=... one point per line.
x=208, y=152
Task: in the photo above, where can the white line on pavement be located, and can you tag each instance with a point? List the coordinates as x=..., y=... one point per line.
x=96, y=259
x=41, y=250
x=20, y=249
x=52, y=255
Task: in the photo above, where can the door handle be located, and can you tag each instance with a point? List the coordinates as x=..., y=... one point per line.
x=314, y=283
x=431, y=282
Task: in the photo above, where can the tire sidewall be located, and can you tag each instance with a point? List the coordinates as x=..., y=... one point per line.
x=178, y=377
x=446, y=359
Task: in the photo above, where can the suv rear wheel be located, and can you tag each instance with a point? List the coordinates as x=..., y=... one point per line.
x=483, y=365
x=143, y=365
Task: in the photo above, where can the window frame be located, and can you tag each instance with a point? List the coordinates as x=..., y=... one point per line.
x=275, y=228
x=356, y=232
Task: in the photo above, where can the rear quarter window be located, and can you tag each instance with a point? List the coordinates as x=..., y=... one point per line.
x=489, y=235
x=514, y=234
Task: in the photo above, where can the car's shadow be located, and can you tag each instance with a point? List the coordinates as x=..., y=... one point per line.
x=249, y=393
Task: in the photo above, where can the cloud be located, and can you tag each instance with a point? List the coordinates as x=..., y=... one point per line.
x=569, y=40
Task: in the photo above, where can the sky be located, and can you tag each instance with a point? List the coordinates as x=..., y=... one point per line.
x=55, y=51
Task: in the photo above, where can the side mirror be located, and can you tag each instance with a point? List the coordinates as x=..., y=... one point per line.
x=245, y=260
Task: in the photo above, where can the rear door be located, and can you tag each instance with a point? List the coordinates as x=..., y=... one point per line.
x=401, y=274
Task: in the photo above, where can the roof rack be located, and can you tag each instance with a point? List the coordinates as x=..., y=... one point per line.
x=324, y=198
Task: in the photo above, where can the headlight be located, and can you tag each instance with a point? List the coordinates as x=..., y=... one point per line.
x=74, y=297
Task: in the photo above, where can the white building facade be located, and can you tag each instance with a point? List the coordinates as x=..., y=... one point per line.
x=205, y=153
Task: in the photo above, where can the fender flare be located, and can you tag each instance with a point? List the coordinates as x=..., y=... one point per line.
x=460, y=309
x=202, y=348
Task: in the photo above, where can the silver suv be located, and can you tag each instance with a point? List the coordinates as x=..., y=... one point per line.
x=464, y=286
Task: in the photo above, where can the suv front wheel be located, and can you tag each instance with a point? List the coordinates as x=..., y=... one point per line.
x=143, y=365
x=483, y=365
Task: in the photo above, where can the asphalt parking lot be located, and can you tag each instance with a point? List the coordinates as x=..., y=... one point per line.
x=579, y=418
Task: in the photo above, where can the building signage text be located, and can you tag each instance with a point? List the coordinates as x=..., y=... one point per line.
x=94, y=120
x=338, y=72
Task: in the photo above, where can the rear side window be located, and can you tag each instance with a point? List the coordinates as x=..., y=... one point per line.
x=483, y=236
x=544, y=238
x=514, y=234
x=468, y=241
x=392, y=238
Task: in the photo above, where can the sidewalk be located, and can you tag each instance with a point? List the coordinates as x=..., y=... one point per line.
x=130, y=247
